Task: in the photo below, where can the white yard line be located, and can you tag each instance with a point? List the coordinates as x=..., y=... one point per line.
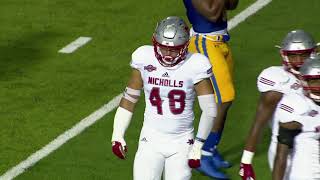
x=61, y=139
x=253, y=8
x=95, y=116
x=70, y=48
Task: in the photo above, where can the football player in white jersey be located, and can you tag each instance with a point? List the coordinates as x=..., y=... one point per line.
x=299, y=128
x=171, y=79
x=272, y=83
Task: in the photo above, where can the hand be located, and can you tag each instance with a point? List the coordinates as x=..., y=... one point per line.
x=119, y=149
x=194, y=155
x=246, y=172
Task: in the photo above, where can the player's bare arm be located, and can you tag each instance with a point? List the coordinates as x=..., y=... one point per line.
x=287, y=132
x=280, y=162
x=231, y=4
x=266, y=107
x=211, y=9
x=204, y=87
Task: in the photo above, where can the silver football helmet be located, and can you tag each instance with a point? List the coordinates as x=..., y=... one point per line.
x=296, y=42
x=310, y=73
x=172, y=33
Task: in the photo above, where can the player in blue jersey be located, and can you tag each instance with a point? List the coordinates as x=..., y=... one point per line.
x=209, y=36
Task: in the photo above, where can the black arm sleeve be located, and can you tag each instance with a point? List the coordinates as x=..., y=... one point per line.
x=286, y=136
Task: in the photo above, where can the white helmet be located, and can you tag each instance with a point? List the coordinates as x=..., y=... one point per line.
x=310, y=70
x=296, y=42
x=171, y=33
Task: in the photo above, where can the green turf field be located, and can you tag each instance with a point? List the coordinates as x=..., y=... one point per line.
x=44, y=93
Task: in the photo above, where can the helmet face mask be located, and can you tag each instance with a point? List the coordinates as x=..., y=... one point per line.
x=310, y=75
x=296, y=47
x=170, y=41
x=294, y=59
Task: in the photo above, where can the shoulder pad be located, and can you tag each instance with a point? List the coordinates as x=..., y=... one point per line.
x=200, y=66
x=140, y=56
x=199, y=61
x=272, y=79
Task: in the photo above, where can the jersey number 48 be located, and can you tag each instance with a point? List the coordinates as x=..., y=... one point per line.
x=175, y=96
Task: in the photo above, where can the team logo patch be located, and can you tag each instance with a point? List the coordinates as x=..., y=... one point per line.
x=286, y=108
x=190, y=141
x=144, y=139
x=150, y=68
x=313, y=113
x=209, y=71
x=267, y=81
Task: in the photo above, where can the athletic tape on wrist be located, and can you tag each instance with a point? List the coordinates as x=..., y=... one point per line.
x=247, y=157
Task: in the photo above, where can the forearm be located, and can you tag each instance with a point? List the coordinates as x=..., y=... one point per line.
x=278, y=170
x=252, y=141
x=205, y=126
x=209, y=112
x=254, y=136
x=267, y=104
x=280, y=162
x=121, y=122
x=287, y=132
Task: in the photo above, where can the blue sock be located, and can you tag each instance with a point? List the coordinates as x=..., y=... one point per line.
x=212, y=141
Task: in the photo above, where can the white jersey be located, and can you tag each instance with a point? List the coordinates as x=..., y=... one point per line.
x=169, y=92
x=305, y=162
x=277, y=79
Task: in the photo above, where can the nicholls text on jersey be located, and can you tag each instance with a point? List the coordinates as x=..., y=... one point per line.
x=165, y=82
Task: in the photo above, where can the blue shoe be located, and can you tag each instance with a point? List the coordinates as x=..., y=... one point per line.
x=207, y=167
x=218, y=160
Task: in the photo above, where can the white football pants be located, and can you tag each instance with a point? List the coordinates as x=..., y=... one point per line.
x=158, y=152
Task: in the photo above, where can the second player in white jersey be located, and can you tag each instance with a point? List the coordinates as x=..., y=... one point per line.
x=299, y=128
x=273, y=83
x=277, y=79
x=305, y=155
